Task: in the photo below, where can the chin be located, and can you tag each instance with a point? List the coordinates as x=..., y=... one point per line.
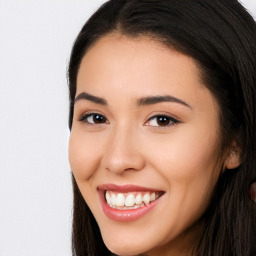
x=125, y=250
x=125, y=247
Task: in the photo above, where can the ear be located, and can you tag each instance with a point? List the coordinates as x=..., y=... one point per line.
x=233, y=159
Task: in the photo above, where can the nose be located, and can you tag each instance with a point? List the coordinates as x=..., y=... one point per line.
x=123, y=152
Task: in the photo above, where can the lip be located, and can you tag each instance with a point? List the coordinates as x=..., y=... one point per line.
x=125, y=215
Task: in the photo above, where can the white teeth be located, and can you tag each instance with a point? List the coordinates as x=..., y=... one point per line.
x=153, y=196
x=138, y=199
x=146, y=198
x=120, y=200
x=113, y=199
x=130, y=200
x=108, y=198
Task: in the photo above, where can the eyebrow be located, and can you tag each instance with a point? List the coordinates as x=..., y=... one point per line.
x=149, y=100
x=87, y=96
x=158, y=99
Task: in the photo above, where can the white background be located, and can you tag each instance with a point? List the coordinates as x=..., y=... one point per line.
x=35, y=181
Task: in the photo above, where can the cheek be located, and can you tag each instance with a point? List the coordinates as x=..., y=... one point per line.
x=189, y=163
x=83, y=155
x=188, y=152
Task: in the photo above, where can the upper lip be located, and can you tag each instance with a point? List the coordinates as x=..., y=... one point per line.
x=125, y=188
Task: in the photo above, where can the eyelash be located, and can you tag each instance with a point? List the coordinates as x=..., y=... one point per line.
x=171, y=121
x=84, y=118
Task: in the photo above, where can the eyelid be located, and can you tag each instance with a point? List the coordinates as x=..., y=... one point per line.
x=173, y=119
x=84, y=116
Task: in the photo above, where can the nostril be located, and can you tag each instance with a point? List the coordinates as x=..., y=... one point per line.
x=123, y=152
x=123, y=161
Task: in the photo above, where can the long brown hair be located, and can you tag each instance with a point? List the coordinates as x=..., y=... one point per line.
x=221, y=37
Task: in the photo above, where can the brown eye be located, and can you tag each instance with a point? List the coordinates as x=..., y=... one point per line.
x=99, y=119
x=93, y=119
x=162, y=121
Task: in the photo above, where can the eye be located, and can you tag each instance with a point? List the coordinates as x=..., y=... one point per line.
x=93, y=118
x=162, y=121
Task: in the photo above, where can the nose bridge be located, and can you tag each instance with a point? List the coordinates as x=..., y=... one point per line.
x=123, y=152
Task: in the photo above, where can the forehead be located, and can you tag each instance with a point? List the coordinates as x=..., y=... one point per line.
x=125, y=53
x=139, y=66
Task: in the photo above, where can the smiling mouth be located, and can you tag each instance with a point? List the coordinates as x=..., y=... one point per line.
x=130, y=200
x=125, y=203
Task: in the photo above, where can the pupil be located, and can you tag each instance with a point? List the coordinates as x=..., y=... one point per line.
x=163, y=120
x=98, y=119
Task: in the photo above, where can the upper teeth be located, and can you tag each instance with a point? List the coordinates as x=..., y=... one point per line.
x=129, y=199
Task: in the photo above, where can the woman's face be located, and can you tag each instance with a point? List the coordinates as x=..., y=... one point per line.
x=144, y=145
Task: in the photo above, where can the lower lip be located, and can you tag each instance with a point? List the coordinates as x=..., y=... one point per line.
x=125, y=215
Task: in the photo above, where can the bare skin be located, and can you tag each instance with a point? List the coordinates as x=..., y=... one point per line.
x=126, y=136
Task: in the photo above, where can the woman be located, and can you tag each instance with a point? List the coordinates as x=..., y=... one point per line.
x=162, y=119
